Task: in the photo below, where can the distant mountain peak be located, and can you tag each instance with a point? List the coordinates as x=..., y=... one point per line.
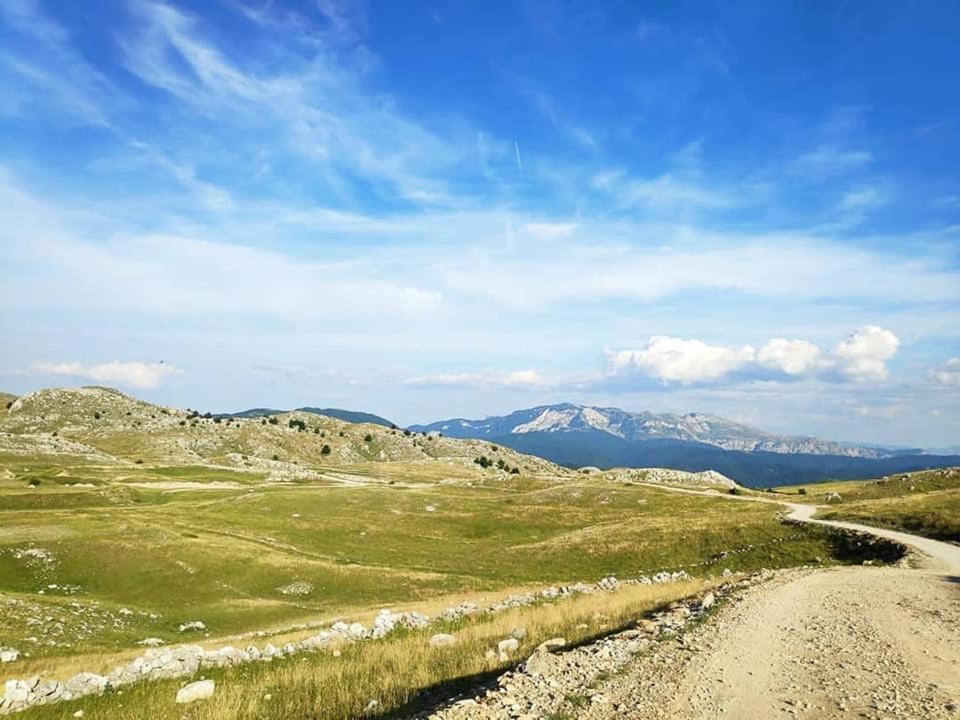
x=696, y=427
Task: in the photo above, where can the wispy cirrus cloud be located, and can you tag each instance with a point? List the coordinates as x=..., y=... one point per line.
x=517, y=379
x=827, y=161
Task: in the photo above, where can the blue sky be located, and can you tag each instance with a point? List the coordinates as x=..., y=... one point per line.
x=439, y=209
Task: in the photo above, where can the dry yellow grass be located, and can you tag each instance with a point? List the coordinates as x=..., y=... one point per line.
x=393, y=671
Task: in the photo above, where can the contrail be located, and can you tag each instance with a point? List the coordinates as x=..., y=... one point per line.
x=516, y=146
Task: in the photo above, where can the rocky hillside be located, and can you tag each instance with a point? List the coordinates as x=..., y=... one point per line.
x=102, y=421
x=638, y=426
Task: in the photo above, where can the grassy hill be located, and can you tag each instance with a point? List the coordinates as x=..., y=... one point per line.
x=925, y=502
x=353, y=416
x=121, y=521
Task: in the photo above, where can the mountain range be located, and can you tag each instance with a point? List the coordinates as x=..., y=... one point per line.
x=582, y=435
x=354, y=416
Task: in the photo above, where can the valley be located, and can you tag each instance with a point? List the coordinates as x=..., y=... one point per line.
x=128, y=526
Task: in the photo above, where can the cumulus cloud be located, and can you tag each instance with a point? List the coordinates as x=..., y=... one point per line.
x=860, y=357
x=678, y=360
x=948, y=373
x=863, y=355
x=792, y=357
x=135, y=374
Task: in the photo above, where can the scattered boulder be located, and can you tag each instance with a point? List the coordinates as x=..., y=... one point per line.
x=86, y=683
x=9, y=655
x=519, y=633
x=552, y=645
x=192, y=625
x=707, y=601
x=510, y=645
x=199, y=690
x=298, y=587
x=442, y=640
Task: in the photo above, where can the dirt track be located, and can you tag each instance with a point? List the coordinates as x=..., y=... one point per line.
x=842, y=643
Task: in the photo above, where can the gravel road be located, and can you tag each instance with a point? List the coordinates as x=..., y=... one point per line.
x=848, y=642
x=853, y=642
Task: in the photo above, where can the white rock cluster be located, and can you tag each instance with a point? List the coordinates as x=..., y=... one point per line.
x=543, y=685
x=9, y=654
x=186, y=660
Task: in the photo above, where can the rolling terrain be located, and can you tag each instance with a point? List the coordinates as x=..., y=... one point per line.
x=126, y=525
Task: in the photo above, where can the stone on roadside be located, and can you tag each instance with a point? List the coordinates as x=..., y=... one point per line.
x=552, y=645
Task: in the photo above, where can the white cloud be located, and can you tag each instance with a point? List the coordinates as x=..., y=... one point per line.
x=517, y=379
x=548, y=230
x=829, y=160
x=864, y=198
x=860, y=357
x=863, y=355
x=665, y=192
x=685, y=361
x=948, y=373
x=793, y=357
x=135, y=374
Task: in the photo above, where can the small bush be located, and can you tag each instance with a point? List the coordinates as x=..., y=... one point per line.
x=483, y=461
x=273, y=421
x=325, y=450
x=802, y=491
x=276, y=457
x=96, y=416
x=368, y=438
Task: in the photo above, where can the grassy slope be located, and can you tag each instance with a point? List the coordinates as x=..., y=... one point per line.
x=171, y=519
x=925, y=502
x=220, y=555
x=393, y=671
